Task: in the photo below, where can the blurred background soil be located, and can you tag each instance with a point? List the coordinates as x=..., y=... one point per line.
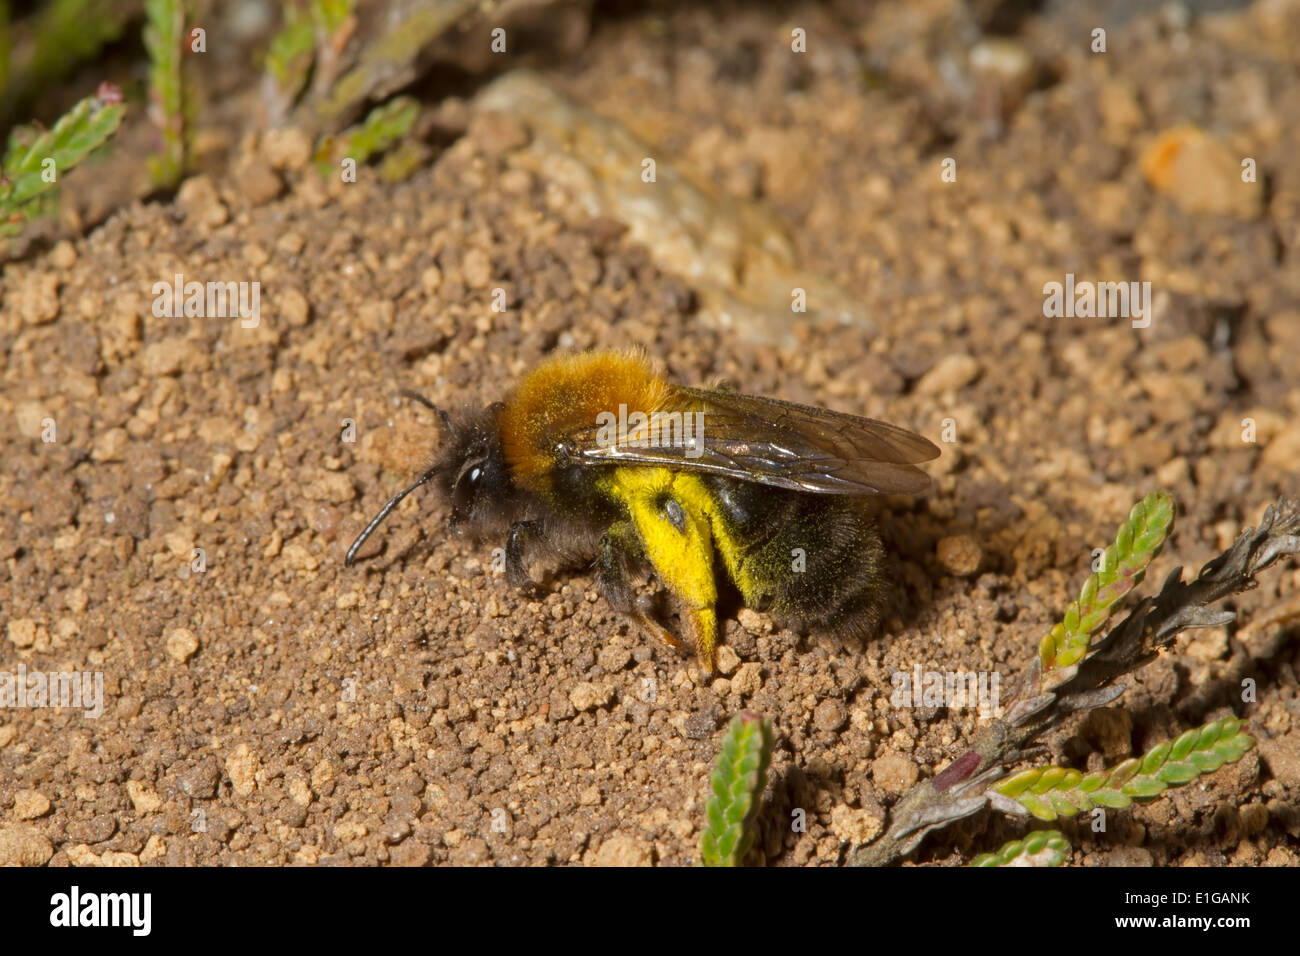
x=277, y=708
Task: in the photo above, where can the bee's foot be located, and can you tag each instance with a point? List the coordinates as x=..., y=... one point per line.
x=657, y=630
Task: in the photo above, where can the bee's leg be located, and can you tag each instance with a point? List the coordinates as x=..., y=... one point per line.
x=617, y=544
x=704, y=632
x=516, y=570
x=674, y=532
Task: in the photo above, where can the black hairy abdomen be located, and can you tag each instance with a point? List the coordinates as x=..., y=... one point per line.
x=832, y=537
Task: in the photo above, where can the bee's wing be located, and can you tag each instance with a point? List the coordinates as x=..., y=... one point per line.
x=772, y=442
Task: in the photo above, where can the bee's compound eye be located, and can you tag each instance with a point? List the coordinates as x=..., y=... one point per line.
x=674, y=513
x=463, y=494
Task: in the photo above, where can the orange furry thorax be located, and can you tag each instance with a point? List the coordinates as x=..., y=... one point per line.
x=567, y=393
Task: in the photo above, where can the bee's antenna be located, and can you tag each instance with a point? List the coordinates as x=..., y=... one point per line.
x=393, y=502
x=417, y=397
x=443, y=418
x=384, y=512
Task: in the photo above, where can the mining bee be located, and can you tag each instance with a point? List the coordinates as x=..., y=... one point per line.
x=690, y=484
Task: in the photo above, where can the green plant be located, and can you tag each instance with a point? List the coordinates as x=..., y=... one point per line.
x=312, y=38
x=163, y=36
x=384, y=126
x=331, y=15
x=737, y=785
x=1123, y=566
x=1040, y=848
x=1077, y=669
x=341, y=90
x=289, y=57
x=1052, y=792
x=34, y=160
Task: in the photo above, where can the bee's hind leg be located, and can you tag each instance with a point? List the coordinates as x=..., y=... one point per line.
x=619, y=542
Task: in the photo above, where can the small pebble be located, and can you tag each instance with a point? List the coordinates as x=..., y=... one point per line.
x=830, y=715
x=951, y=373
x=181, y=644
x=588, y=696
x=30, y=804
x=959, y=554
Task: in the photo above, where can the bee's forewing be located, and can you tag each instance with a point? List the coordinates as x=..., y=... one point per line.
x=772, y=442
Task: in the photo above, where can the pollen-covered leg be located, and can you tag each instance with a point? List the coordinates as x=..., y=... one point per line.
x=704, y=631
x=673, y=528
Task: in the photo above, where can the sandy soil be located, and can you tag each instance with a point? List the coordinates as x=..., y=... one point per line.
x=278, y=708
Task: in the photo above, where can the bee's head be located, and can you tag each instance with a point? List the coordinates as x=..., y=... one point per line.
x=471, y=471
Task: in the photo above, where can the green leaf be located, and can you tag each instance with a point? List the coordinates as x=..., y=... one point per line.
x=36, y=161
x=1137, y=541
x=1040, y=848
x=737, y=783
x=329, y=15
x=1052, y=792
x=383, y=127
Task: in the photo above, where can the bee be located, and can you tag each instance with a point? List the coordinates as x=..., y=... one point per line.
x=597, y=455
